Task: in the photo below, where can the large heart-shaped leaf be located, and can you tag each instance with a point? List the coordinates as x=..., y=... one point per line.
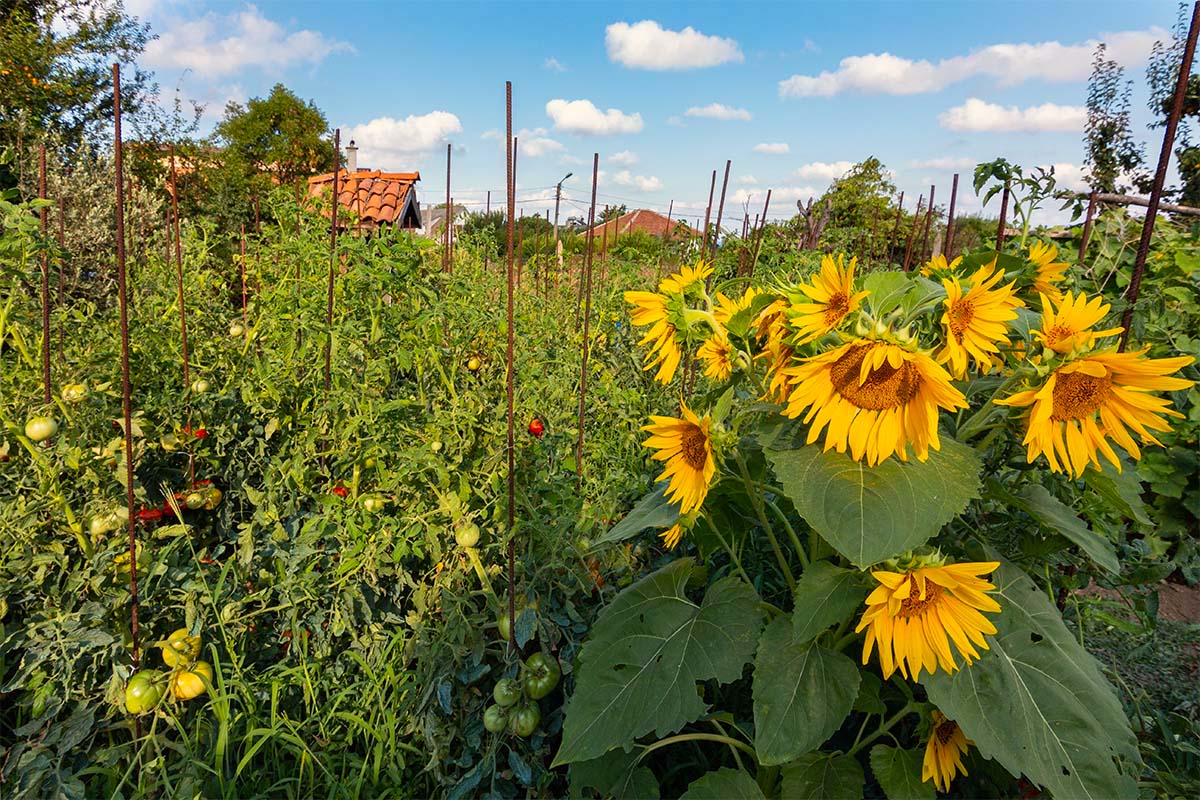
x=724, y=784
x=615, y=774
x=802, y=693
x=899, y=773
x=648, y=649
x=869, y=514
x=821, y=776
x=1038, y=703
x=825, y=595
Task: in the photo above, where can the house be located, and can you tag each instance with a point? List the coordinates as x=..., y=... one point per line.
x=379, y=199
x=646, y=221
x=435, y=218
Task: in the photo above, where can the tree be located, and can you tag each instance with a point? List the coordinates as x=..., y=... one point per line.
x=611, y=212
x=56, y=74
x=1113, y=158
x=279, y=136
x=857, y=201
x=1162, y=73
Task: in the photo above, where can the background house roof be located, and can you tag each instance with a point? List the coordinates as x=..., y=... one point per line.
x=650, y=222
x=378, y=197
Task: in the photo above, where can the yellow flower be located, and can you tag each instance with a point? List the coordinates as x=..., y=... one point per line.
x=727, y=308
x=717, y=354
x=874, y=396
x=1049, y=271
x=1067, y=328
x=943, y=754
x=770, y=326
x=1097, y=397
x=672, y=536
x=680, y=281
x=832, y=293
x=915, y=615
x=937, y=267
x=651, y=309
x=685, y=445
x=975, y=321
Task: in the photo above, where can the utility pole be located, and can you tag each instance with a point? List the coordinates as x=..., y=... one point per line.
x=557, y=199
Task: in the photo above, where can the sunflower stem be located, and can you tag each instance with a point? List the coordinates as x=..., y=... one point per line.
x=737, y=562
x=883, y=729
x=791, y=532
x=977, y=420
x=756, y=499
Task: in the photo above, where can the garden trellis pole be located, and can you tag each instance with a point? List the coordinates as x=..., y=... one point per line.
x=242, y=274
x=762, y=229
x=666, y=238
x=183, y=337
x=712, y=188
x=950, y=219
x=587, y=318
x=62, y=210
x=895, y=229
x=511, y=199
x=1087, y=226
x=712, y=253
x=43, y=219
x=1003, y=214
x=1160, y=175
x=333, y=232
x=871, y=237
x=928, y=224
x=447, y=265
x=912, y=231
x=126, y=388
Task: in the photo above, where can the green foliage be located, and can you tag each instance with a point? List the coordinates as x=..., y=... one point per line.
x=816, y=776
x=898, y=772
x=724, y=784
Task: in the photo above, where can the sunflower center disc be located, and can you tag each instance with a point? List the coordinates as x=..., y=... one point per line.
x=913, y=605
x=885, y=386
x=692, y=442
x=1077, y=395
x=961, y=314
x=946, y=730
x=836, y=308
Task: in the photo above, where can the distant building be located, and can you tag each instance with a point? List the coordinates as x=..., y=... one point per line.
x=381, y=200
x=646, y=221
x=435, y=219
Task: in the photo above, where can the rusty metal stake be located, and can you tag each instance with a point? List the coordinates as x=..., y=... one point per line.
x=928, y=224
x=762, y=230
x=587, y=318
x=62, y=248
x=183, y=338
x=1087, y=226
x=911, y=231
x=333, y=233
x=895, y=230
x=46, y=396
x=1160, y=176
x=1003, y=214
x=666, y=238
x=712, y=188
x=508, y=362
x=712, y=255
x=950, y=220
x=447, y=265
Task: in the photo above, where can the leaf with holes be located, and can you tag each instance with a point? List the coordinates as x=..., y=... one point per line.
x=870, y=514
x=899, y=773
x=1038, y=703
x=822, y=776
x=639, y=668
x=724, y=784
x=802, y=693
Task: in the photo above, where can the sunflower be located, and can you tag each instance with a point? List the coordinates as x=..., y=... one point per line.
x=875, y=396
x=727, y=308
x=914, y=616
x=1067, y=327
x=718, y=355
x=833, y=296
x=679, y=282
x=650, y=308
x=975, y=321
x=1097, y=397
x=771, y=330
x=685, y=445
x=1049, y=271
x=943, y=754
x=937, y=267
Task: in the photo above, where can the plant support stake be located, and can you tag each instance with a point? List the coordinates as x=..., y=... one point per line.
x=950, y=219
x=587, y=317
x=508, y=371
x=45, y=279
x=333, y=232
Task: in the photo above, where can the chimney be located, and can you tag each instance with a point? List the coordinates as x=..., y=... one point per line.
x=352, y=157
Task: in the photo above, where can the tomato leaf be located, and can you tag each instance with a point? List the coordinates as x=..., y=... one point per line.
x=818, y=776
x=1038, y=703
x=899, y=773
x=647, y=651
x=802, y=693
x=724, y=784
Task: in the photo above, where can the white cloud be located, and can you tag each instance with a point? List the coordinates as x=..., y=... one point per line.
x=1070, y=176
x=943, y=162
x=641, y=182
x=676, y=122
x=819, y=170
x=1007, y=64
x=778, y=194
x=216, y=45
x=978, y=115
x=571, y=161
x=625, y=158
x=747, y=180
x=387, y=143
x=718, y=111
x=773, y=148
x=646, y=45
x=534, y=143
x=554, y=65
x=582, y=116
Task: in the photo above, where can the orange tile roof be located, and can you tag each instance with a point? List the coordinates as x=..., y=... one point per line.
x=378, y=197
x=642, y=219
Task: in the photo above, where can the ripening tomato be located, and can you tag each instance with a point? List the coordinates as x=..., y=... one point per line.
x=236, y=329
x=467, y=535
x=149, y=514
x=200, y=386
x=143, y=691
x=201, y=433
x=341, y=491
x=212, y=497
x=373, y=503
x=39, y=429
x=542, y=674
x=189, y=683
x=74, y=393
x=474, y=364
x=506, y=692
x=180, y=649
x=524, y=719
x=495, y=719
x=536, y=427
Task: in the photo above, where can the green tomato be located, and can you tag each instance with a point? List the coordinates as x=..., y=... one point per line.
x=74, y=393
x=39, y=429
x=435, y=446
x=373, y=503
x=495, y=719
x=236, y=329
x=143, y=691
x=467, y=535
x=507, y=692
x=524, y=719
x=200, y=386
x=542, y=674
x=195, y=500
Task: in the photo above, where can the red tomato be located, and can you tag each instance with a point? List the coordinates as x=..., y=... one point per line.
x=201, y=433
x=536, y=427
x=341, y=491
x=149, y=514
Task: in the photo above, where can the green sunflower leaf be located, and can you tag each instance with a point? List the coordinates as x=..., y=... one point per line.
x=899, y=773
x=724, y=784
x=822, y=776
x=1038, y=703
x=802, y=694
x=652, y=511
x=649, y=648
x=825, y=595
x=869, y=514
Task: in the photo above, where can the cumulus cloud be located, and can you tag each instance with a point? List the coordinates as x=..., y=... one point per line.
x=943, y=162
x=554, y=65
x=216, y=45
x=647, y=45
x=977, y=115
x=534, y=143
x=718, y=111
x=747, y=180
x=388, y=143
x=1007, y=64
x=773, y=148
x=1070, y=176
x=625, y=158
x=819, y=170
x=642, y=183
x=582, y=116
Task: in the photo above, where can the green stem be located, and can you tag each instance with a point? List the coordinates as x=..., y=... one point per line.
x=791, y=532
x=883, y=729
x=737, y=562
x=756, y=501
x=699, y=737
x=977, y=420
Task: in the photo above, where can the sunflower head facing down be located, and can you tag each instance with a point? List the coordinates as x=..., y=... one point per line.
x=820, y=307
x=976, y=320
x=914, y=616
x=664, y=313
x=944, y=751
x=872, y=396
x=718, y=356
x=1049, y=273
x=1087, y=401
x=685, y=445
x=1067, y=322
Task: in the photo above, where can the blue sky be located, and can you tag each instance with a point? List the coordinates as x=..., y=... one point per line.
x=666, y=92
